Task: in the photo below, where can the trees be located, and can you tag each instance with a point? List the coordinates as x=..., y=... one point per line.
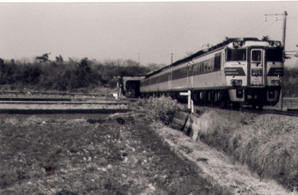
x=67, y=75
x=43, y=57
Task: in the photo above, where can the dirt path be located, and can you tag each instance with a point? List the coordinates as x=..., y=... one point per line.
x=217, y=166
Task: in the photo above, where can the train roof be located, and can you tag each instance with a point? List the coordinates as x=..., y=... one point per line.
x=201, y=52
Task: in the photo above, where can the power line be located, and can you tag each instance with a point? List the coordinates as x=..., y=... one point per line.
x=268, y=26
x=293, y=17
x=254, y=28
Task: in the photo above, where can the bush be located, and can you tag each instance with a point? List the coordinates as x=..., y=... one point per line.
x=290, y=82
x=161, y=109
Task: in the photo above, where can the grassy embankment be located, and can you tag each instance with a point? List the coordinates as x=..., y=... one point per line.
x=266, y=143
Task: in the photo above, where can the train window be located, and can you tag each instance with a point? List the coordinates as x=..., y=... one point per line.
x=190, y=71
x=195, y=69
x=180, y=73
x=205, y=67
x=274, y=54
x=256, y=55
x=164, y=78
x=217, y=62
x=211, y=65
x=236, y=54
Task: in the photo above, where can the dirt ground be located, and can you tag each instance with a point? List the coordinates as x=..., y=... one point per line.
x=93, y=154
x=69, y=154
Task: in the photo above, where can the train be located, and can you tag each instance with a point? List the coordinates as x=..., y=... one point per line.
x=235, y=72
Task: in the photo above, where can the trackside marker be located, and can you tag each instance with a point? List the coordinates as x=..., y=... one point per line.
x=190, y=105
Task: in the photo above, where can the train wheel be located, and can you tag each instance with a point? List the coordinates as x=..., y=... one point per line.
x=216, y=96
x=196, y=97
x=223, y=104
x=260, y=106
x=237, y=106
x=254, y=106
x=201, y=96
x=222, y=101
x=220, y=96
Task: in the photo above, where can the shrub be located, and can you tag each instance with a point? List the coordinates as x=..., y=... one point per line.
x=290, y=82
x=161, y=109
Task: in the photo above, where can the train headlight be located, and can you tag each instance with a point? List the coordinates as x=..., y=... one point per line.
x=275, y=82
x=277, y=43
x=236, y=82
x=271, y=43
x=237, y=44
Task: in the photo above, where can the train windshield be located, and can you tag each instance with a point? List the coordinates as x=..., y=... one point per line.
x=274, y=54
x=236, y=54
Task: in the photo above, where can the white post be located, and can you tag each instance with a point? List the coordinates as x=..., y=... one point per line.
x=192, y=107
x=190, y=104
x=188, y=99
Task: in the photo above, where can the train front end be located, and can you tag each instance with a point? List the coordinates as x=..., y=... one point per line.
x=254, y=71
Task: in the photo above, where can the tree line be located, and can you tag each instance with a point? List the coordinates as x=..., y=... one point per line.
x=66, y=75
x=63, y=75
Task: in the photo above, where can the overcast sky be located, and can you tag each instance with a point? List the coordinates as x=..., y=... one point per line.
x=151, y=31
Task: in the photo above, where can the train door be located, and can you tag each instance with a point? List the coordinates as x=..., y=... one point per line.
x=256, y=68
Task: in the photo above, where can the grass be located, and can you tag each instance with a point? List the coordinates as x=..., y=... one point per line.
x=266, y=143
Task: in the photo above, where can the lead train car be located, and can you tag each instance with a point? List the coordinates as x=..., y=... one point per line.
x=235, y=72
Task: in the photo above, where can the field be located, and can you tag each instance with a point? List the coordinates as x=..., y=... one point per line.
x=91, y=154
x=130, y=153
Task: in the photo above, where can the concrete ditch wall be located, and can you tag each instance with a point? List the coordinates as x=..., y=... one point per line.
x=191, y=124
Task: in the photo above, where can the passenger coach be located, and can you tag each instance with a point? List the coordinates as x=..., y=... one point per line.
x=235, y=72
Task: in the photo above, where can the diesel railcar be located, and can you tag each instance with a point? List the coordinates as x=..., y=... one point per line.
x=235, y=72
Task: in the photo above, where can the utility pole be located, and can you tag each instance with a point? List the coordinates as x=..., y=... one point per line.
x=284, y=24
x=283, y=43
x=284, y=29
x=171, y=58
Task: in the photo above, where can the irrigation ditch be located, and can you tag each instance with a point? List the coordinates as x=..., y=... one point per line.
x=265, y=143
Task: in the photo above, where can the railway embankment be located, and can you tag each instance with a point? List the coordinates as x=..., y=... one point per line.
x=266, y=143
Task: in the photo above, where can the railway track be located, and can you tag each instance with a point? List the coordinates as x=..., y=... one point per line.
x=49, y=102
x=66, y=102
x=38, y=93
x=288, y=112
x=46, y=105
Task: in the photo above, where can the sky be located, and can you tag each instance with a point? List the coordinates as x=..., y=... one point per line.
x=147, y=32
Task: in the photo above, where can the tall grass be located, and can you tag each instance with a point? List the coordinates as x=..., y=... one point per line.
x=290, y=82
x=266, y=143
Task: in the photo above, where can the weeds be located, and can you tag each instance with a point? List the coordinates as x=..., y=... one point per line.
x=290, y=82
x=266, y=143
x=161, y=109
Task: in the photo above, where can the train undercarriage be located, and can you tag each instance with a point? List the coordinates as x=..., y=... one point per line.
x=227, y=98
